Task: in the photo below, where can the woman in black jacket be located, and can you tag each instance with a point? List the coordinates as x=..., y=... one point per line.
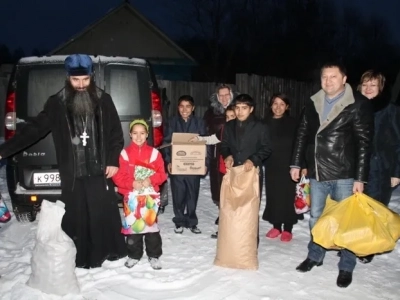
x=280, y=188
x=215, y=119
x=384, y=173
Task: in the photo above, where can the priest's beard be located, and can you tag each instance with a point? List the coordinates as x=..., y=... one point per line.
x=81, y=103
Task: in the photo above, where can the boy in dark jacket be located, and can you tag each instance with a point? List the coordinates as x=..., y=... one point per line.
x=245, y=140
x=185, y=188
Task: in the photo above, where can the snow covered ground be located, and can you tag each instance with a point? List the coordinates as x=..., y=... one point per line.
x=188, y=272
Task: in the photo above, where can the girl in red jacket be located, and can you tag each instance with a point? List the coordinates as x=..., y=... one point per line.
x=141, y=172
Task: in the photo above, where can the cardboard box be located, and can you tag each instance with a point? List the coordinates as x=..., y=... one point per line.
x=187, y=158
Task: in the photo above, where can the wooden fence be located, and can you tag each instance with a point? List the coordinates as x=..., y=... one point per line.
x=259, y=87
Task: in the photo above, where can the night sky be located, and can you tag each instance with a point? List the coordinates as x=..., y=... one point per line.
x=48, y=23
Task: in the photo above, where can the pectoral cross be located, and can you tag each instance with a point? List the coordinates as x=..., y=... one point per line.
x=84, y=137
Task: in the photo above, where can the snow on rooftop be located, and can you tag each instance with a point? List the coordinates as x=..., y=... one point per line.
x=53, y=59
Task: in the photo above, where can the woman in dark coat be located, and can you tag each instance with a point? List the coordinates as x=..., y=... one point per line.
x=385, y=158
x=384, y=173
x=215, y=119
x=280, y=188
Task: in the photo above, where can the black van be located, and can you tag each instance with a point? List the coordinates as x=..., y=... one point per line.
x=32, y=174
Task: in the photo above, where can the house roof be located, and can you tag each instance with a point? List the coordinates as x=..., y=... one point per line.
x=127, y=6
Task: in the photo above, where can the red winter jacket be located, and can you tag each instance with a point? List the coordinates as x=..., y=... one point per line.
x=143, y=156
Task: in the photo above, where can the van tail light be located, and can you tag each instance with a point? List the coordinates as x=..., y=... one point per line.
x=10, y=119
x=156, y=118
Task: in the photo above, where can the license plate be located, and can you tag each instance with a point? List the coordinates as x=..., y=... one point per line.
x=47, y=179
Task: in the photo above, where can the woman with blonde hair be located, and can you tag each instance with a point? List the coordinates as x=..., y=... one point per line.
x=384, y=173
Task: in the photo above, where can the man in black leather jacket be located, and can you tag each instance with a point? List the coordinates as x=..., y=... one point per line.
x=334, y=141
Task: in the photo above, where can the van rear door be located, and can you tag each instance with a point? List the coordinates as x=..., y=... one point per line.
x=37, y=165
x=129, y=87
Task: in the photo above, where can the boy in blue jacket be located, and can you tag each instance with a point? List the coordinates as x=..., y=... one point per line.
x=185, y=188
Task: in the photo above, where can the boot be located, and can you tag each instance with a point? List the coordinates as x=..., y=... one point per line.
x=286, y=236
x=273, y=233
x=178, y=229
x=195, y=230
x=307, y=265
x=366, y=259
x=131, y=262
x=155, y=263
x=344, y=279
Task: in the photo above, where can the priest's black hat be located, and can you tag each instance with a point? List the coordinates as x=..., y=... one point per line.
x=78, y=65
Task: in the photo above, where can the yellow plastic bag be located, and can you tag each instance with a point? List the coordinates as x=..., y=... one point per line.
x=327, y=225
x=367, y=226
x=359, y=224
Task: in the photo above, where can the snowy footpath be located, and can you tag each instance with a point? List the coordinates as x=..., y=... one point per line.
x=188, y=271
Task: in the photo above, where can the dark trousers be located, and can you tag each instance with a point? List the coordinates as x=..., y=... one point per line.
x=185, y=194
x=215, y=180
x=152, y=241
x=164, y=194
x=379, y=186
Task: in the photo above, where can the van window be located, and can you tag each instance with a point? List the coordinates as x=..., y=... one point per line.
x=124, y=90
x=42, y=83
x=127, y=85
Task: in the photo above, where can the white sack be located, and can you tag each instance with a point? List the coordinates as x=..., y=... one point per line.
x=53, y=258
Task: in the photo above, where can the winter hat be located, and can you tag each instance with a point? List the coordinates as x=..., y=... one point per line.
x=139, y=121
x=78, y=65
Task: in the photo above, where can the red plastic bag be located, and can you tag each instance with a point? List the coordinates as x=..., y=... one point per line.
x=222, y=167
x=302, y=199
